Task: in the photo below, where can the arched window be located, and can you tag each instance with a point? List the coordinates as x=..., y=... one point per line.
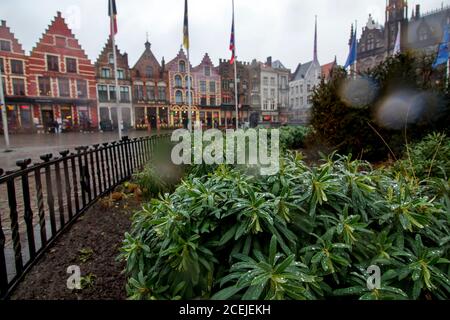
x=186, y=79
x=182, y=66
x=179, y=97
x=149, y=72
x=178, y=81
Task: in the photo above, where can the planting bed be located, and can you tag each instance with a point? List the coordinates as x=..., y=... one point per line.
x=91, y=243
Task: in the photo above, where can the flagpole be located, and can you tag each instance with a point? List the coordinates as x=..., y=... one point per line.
x=235, y=74
x=4, y=112
x=116, y=76
x=189, y=91
x=356, y=50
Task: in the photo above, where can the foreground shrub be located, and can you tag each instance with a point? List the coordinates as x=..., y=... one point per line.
x=305, y=233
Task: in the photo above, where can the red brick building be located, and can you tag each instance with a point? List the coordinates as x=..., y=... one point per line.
x=61, y=81
x=14, y=67
x=150, y=91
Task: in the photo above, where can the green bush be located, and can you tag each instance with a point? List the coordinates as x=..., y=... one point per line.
x=344, y=111
x=293, y=138
x=428, y=158
x=305, y=233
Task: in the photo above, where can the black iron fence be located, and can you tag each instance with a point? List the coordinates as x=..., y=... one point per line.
x=38, y=202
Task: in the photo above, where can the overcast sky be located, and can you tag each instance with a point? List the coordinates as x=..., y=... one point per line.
x=283, y=29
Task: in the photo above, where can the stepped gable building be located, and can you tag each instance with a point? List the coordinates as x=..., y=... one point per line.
x=106, y=92
x=150, y=91
x=14, y=68
x=226, y=71
x=419, y=32
x=62, y=83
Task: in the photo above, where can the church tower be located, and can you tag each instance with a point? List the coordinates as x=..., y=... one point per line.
x=396, y=15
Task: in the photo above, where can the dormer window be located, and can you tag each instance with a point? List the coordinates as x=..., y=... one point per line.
x=207, y=71
x=182, y=66
x=111, y=58
x=5, y=45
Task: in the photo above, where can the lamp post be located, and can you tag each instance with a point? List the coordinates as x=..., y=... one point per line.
x=4, y=113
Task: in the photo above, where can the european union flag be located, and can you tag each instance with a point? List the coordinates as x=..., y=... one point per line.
x=443, y=53
x=352, y=55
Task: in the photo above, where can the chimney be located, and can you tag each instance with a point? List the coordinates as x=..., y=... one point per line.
x=417, y=10
x=148, y=45
x=58, y=13
x=269, y=61
x=3, y=23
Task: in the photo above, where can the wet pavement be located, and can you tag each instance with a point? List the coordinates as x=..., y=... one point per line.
x=32, y=146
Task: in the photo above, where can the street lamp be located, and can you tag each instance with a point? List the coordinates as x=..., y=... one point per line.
x=4, y=113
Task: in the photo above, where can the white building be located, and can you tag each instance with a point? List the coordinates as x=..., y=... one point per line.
x=301, y=86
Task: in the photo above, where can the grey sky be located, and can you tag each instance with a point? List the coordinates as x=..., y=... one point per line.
x=283, y=29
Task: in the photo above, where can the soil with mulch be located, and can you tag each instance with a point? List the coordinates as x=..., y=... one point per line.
x=92, y=243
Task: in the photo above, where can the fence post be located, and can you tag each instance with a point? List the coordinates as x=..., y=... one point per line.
x=28, y=213
x=97, y=166
x=50, y=199
x=83, y=188
x=3, y=272
x=68, y=188
x=14, y=225
x=104, y=158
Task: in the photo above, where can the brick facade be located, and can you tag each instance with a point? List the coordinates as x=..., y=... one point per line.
x=150, y=91
x=62, y=81
x=14, y=64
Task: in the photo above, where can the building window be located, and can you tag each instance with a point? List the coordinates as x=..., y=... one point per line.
x=82, y=89
x=272, y=93
x=212, y=87
x=370, y=42
x=52, y=63
x=189, y=98
x=423, y=34
x=309, y=88
x=203, y=101
x=265, y=81
x=16, y=67
x=203, y=86
x=207, y=71
x=187, y=79
x=5, y=45
x=111, y=58
x=178, y=82
x=106, y=73
x=71, y=65
x=182, y=66
x=44, y=86
x=124, y=94
x=178, y=97
x=272, y=81
x=18, y=87
x=150, y=92
x=149, y=72
x=265, y=105
x=162, y=93
x=2, y=66
x=112, y=93
x=139, y=92
x=102, y=93
x=212, y=101
x=64, y=87
x=265, y=94
x=120, y=74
